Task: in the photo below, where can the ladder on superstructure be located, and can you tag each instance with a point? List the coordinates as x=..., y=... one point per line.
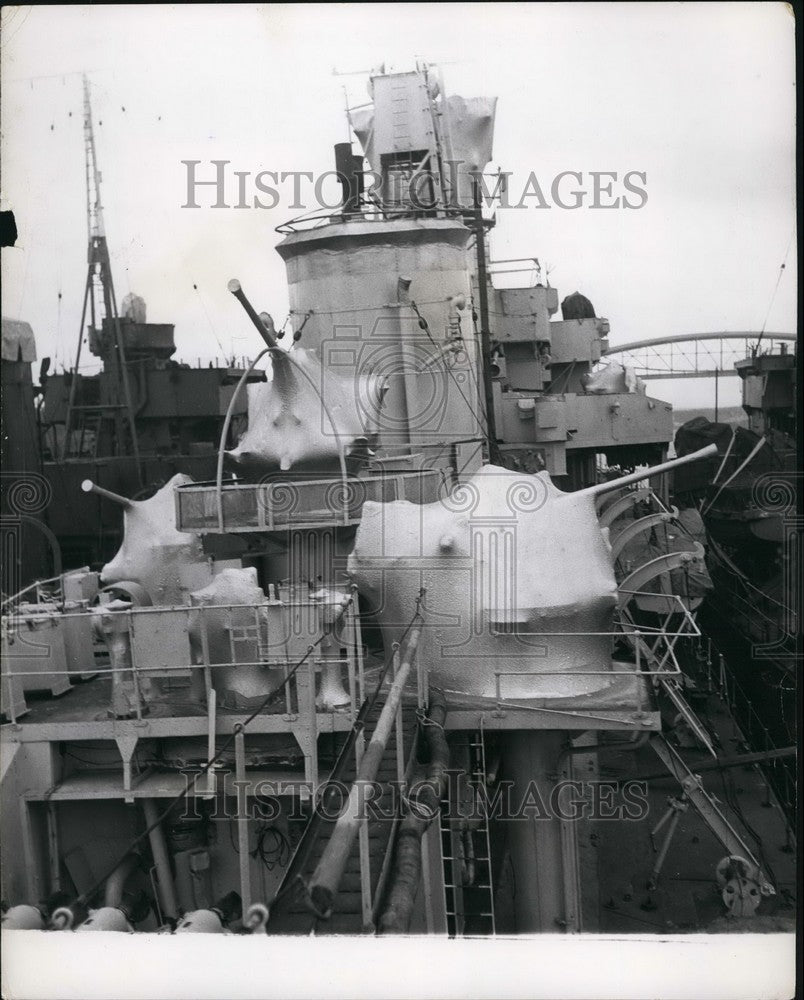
x=469, y=906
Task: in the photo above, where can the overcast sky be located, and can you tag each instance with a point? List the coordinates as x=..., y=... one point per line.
x=699, y=97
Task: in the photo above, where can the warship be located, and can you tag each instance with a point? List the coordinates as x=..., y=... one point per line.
x=141, y=419
x=748, y=501
x=421, y=654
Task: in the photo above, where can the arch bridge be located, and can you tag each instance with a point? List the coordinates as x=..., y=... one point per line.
x=696, y=355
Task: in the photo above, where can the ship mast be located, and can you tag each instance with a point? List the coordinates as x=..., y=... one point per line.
x=99, y=291
x=450, y=197
x=485, y=336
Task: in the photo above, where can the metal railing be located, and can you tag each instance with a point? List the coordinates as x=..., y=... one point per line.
x=160, y=646
x=274, y=506
x=779, y=773
x=766, y=619
x=368, y=210
x=654, y=648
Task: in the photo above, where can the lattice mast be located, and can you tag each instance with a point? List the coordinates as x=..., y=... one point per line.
x=99, y=295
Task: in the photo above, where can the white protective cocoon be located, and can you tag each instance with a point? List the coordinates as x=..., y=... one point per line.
x=154, y=553
x=509, y=563
x=307, y=414
x=614, y=378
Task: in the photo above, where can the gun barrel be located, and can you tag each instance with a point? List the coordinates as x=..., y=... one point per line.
x=89, y=487
x=656, y=470
x=236, y=290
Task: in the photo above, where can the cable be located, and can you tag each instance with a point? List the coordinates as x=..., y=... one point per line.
x=416, y=614
x=301, y=854
x=209, y=321
x=238, y=728
x=776, y=288
x=440, y=356
x=279, y=854
x=731, y=797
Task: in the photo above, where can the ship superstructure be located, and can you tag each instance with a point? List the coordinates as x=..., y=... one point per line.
x=375, y=675
x=141, y=419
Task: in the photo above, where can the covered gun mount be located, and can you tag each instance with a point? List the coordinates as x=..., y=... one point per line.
x=510, y=563
x=289, y=426
x=520, y=581
x=164, y=562
x=307, y=415
x=246, y=681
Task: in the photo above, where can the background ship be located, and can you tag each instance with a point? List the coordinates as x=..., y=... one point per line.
x=748, y=498
x=410, y=583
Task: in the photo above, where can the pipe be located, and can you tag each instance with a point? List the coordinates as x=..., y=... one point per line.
x=113, y=891
x=89, y=487
x=637, y=477
x=167, y=892
x=328, y=873
x=421, y=811
x=485, y=336
x=242, y=821
x=468, y=857
x=309, y=839
x=740, y=760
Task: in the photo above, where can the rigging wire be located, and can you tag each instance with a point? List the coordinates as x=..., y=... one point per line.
x=776, y=288
x=209, y=319
x=441, y=355
x=358, y=725
x=237, y=729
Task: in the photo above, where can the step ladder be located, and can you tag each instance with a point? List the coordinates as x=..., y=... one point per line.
x=466, y=854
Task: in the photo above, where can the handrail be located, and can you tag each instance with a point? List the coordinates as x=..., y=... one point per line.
x=31, y=586
x=259, y=624
x=225, y=433
x=386, y=213
x=236, y=290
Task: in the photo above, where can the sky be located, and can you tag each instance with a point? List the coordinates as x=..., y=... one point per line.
x=698, y=97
